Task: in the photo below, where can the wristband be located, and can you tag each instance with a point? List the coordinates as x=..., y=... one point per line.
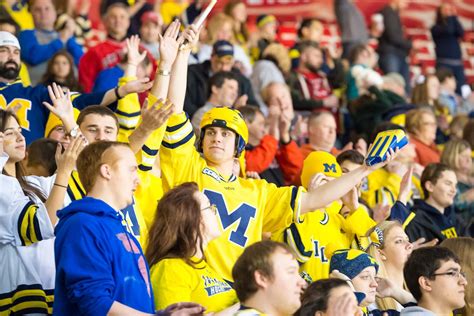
x=162, y=72
x=60, y=185
x=117, y=95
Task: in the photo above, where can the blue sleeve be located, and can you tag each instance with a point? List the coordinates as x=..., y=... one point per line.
x=74, y=49
x=86, y=99
x=33, y=52
x=84, y=264
x=399, y=212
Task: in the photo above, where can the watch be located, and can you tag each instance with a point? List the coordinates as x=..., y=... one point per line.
x=74, y=132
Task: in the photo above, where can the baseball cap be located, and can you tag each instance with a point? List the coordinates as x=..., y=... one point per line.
x=150, y=16
x=8, y=39
x=319, y=162
x=223, y=49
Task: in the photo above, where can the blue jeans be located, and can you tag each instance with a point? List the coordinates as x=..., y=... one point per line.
x=395, y=63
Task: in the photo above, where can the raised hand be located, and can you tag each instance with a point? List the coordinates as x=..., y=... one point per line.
x=133, y=50
x=317, y=180
x=405, y=186
x=169, y=45
x=391, y=155
x=62, y=105
x=135, y=86
x=351, y=199
x=190, y=37
x=421, y=242
x=66, y=161
x=156, y=115
x=381, y=212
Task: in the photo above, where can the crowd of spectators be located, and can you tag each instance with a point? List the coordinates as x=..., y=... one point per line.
x=177, y=169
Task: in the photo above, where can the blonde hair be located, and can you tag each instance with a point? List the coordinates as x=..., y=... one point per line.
x=216, y=23
x=384, y=304
x=451, y=152
x=280, y=54
x=463, y=247
x=413, y=121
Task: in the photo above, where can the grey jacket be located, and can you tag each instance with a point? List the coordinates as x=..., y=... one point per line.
x=416, y=311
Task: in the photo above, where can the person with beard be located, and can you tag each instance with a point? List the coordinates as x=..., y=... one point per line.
x=310, y=88
x=27, y=102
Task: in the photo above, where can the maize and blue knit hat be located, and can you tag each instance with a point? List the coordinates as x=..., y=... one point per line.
x=351, y=262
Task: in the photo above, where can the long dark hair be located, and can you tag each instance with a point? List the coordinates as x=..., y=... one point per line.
x=30, y=190
x=70, y=81
x=176, y=229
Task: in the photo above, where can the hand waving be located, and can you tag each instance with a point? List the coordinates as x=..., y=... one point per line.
x=133, y=50
x=62, y=104
x=169, y=44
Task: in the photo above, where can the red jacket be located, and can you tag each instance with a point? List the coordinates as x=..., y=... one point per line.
x=288, y=157
x=425, y=154
x=102, y=56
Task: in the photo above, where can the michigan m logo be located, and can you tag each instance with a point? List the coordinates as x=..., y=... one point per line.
x=241, y=215
x=329, y=167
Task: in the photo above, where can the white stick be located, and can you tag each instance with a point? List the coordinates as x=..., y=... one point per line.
x=205, y=14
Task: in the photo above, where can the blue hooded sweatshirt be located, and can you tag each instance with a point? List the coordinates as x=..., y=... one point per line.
x=98, y=262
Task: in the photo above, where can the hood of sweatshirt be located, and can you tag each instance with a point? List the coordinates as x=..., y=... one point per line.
x=87, y=205
x=416, y=311
x=425, y=207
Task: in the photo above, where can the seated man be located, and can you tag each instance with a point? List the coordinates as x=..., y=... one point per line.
x=309, y=85
x=434, y=277
x=267, y=280
x=223, y=91
x=433, y=216
x=222, y=59
x=321, y=134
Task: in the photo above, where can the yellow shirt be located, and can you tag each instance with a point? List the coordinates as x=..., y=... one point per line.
x=19, y=12
x=174, y=281
x=383, y=188
x=323, y=229
x=246, y=207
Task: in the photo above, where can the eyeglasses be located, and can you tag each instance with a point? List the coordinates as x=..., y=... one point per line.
x=453, y=274
x=211, y=207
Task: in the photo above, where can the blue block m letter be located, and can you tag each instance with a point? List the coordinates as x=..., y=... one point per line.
x=241, y=214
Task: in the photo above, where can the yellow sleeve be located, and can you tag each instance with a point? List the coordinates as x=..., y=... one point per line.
x=147, y=195
x=172, y=281
x=147, y=155
x=282, y=206
x=299, y=237
x=178, y=156
x=359, y=222
x=128, y=112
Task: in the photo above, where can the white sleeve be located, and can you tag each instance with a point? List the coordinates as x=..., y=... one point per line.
x=22, y=221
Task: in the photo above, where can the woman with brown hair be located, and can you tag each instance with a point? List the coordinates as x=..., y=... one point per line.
x=463, y=247
x=237, y=10
x=421, y=125
x=60, y=69
x=185, y=223
x=426, y=93
x=27, y=220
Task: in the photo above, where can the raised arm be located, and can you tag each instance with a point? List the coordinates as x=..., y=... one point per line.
x=168, y=50
x=335, y=189
x=179, y=72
